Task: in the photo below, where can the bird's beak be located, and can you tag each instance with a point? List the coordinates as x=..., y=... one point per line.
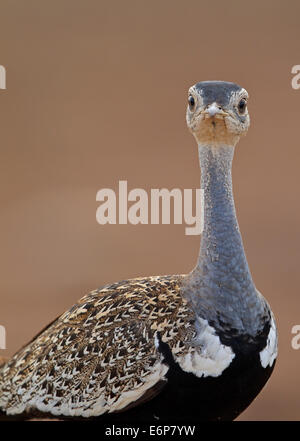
x=213, y=110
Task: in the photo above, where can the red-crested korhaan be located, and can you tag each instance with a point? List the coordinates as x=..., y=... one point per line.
x=196, y=347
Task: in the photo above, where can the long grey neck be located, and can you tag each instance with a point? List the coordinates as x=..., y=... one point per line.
x=221, y=284
x=221, y=251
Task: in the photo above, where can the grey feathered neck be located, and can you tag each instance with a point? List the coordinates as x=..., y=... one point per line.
x=220, y=287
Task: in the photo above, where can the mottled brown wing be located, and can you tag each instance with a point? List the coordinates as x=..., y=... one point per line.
x=100, y=356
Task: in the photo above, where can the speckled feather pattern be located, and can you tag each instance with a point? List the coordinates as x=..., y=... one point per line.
x=100, y=355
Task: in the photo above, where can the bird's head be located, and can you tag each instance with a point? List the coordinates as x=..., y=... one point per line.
x=217, y=112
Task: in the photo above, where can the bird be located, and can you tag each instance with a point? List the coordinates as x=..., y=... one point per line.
x=186, y=347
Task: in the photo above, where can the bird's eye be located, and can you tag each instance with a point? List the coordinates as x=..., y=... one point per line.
x=242, y=105
x=191, y=101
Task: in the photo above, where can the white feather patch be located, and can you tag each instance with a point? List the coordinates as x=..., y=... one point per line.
x=269, y=353
x=207, y=356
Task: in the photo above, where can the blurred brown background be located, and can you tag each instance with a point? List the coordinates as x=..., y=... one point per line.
x=96, y=93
